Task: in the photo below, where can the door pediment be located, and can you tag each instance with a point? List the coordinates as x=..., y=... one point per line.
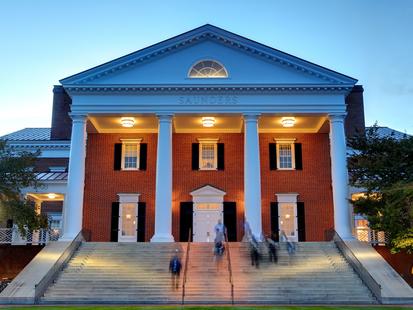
x=208, y=194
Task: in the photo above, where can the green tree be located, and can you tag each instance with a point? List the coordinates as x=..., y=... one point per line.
x=15, y=174
x=383, y=168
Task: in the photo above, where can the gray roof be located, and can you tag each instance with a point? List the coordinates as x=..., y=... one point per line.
x=29, y=134
x=388, y=132
x=51, y=176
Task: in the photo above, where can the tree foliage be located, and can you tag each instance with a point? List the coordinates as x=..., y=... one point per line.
x=383, y=168
x=16, y=173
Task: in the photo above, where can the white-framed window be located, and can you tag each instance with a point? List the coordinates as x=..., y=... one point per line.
x=130, y=154
x=285, y=154
x=208, y=154
x=55, y=220
x=207, y=69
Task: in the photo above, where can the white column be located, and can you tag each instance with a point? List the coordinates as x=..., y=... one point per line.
x=339, y=176
x=163, y=194
x=73, y=204
x=252, y=174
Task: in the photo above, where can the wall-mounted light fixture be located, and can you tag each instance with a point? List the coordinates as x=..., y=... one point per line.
x=208, y=121
x=127, y=122
x=288, y=122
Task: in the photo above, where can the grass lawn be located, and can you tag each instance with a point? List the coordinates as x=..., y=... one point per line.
x=212, y=307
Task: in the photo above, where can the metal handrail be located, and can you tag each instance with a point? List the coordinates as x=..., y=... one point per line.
x=231, y=282
x=363, y=273
x=186, y=266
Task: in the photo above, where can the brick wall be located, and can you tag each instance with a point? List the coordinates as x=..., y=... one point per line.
x=230, y=180
x=312, y=183
x=61, y=121
x=402, y=262
x=354, y=122
x=102, y=182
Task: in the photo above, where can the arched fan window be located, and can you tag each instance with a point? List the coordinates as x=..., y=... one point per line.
x=208, y=69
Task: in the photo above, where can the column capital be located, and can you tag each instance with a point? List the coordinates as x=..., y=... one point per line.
x=249, y=117
x=78, y=118
x=337, y=117
x=164, y=117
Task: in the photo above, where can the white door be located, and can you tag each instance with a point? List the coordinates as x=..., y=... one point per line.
x=287, y=213
x=127, y=222
x=206, y=216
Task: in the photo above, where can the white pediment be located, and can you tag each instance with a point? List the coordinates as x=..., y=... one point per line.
x=247, y=62
x=207, y=190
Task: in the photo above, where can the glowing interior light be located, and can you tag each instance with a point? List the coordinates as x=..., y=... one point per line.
x=128, y=216
x=288, y=121
x=127, y=122
x=51, y=195
x=208, y=121
x=287, y=216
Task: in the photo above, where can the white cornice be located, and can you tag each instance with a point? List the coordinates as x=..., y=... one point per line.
x=210, y=89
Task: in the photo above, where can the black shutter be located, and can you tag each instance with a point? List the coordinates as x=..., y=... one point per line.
x=301, y=221
x=9, y=223
x=274, y=221
x=185, y=220
x=195, y=156
x=141, y=221
x=273, y=156
x=230, y=219
x=298, y=156
x=118, y=156
x=221, y=160
x=115, y=222
x=143, y=156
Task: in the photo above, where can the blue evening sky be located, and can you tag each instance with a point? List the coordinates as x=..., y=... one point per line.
x=44, y=41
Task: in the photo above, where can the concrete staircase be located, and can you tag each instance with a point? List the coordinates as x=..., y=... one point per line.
x=316, y=273
x=207, y=277
x=138, y=273
x=117, y=273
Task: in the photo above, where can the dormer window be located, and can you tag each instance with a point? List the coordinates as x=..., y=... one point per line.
x=208, y=69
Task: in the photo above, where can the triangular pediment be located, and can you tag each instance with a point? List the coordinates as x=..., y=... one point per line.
x=207, y=190
x=247, y=62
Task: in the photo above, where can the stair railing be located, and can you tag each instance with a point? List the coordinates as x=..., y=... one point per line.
x=186, y=265
x=231, y=282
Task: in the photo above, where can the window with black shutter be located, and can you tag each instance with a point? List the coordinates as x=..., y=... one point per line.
x=285, y=154
x=131, y=154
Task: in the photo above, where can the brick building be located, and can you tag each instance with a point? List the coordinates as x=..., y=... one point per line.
x=204, y=126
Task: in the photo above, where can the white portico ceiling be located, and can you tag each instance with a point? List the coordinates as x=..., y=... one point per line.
x=223, y=124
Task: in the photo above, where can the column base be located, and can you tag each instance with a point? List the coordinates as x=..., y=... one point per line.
x=162, y=238
x=67, y=238
x=346, y=235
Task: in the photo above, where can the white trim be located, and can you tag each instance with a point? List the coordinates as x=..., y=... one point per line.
x=138, y=149
x=128, y=197
x=291, y=142
x=208, y=194
x=203, y=141
x=288, y=199
x=207, y=77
